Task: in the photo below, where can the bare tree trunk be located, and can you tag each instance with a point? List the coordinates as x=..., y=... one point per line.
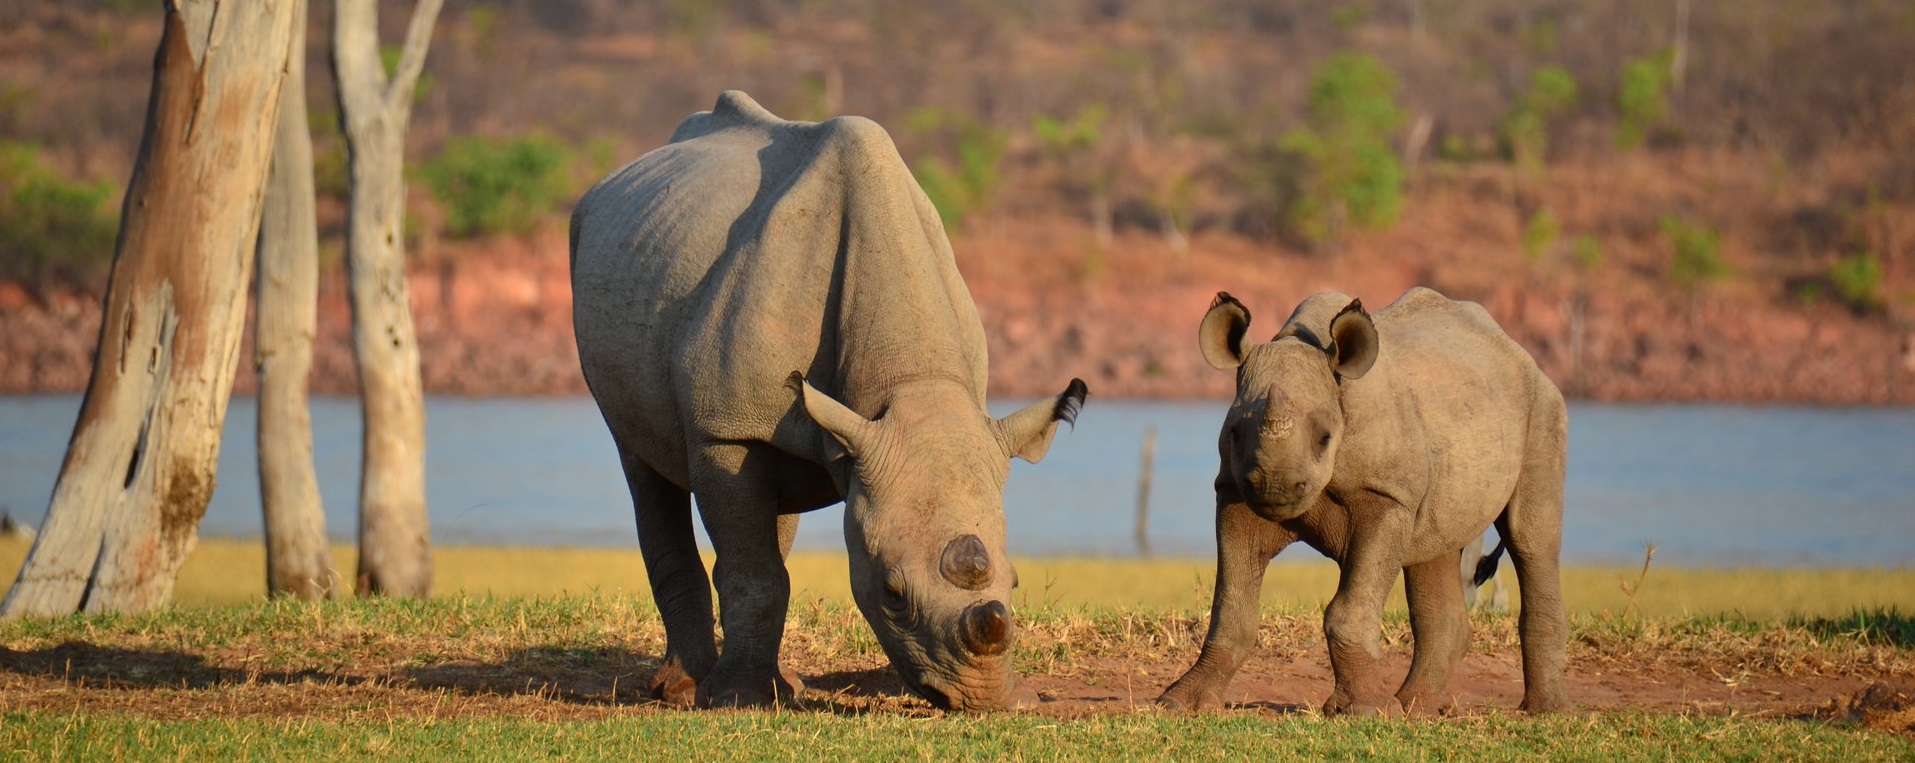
x=1679, y=53
x=395, y=554
x=298, y=561
x=140, y=466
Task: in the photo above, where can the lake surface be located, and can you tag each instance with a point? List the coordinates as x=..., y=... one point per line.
x=1708, y=485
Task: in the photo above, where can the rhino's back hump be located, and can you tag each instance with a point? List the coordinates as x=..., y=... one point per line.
x=1464, y=369
x=706, y=271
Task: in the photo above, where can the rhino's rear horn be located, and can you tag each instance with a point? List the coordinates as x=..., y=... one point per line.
x=987, y=628
x=965, y=563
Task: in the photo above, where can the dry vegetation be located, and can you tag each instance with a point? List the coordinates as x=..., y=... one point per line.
x=582, y=658
x=534, y=645
x=1736, y=227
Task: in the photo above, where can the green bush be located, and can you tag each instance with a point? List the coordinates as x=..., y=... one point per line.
x=1587, y=253
x=1858, y=279
x=968, y=184
x=489, y=185
x=51, y=227
x=1350, y=171
x=1642, y=101
x=1539, y=234
x=1697, y=252
x=1552, y=93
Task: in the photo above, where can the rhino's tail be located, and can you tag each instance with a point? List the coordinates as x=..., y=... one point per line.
x=1486, y=566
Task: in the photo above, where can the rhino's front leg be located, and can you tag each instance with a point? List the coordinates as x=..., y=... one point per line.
x=754, y=589
x=1245, y=543
x=1353, y=622
x=1440, y=624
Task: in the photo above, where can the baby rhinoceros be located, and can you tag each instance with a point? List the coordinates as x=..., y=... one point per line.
x=1385, y=442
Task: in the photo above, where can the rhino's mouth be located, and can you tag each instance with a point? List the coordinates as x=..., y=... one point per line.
x=1278, y=511
x=956, y=697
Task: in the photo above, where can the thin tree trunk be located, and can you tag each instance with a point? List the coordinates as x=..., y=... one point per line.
x=395, y=554
x=298, y=561
x=140, y=466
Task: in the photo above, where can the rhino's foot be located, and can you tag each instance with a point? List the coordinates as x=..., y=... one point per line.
x=1186, y=698
x=1426, y=704
x=1546, y=703
x=672, y=686
x=748, y=690
x=1341, y=703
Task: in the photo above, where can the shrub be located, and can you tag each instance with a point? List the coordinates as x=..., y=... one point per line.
x=1551, y=94
x=1697, y=252
x=489, y=185
x=1642, y=100
x=1587, y=253
x=970, y=183
x=1350, y=171
x=1858, y=279
x=1539, y=234
x=53, y=228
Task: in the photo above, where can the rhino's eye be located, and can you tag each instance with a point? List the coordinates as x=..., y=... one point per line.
x=1323, y=443
x=894, y=590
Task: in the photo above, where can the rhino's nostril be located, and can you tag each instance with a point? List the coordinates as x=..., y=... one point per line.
x=987, y=628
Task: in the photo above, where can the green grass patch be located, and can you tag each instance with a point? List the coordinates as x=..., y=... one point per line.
x=799, y=736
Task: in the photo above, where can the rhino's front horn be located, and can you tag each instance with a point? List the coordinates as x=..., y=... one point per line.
x=987, y=628
x=965, y=563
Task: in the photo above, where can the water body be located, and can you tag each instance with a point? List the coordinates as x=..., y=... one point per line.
x=1709, y=485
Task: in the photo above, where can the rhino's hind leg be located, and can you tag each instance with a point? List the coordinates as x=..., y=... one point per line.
x=679, y=586
x=1439, y=623
x=737, y=498
x=1533, y=523
x=788, y=534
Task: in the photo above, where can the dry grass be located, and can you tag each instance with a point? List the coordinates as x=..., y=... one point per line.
x=231, y=571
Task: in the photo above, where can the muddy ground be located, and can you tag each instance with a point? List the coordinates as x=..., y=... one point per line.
x=561, y=684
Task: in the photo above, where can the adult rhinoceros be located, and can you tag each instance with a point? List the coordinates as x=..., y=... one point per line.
x=770, y=318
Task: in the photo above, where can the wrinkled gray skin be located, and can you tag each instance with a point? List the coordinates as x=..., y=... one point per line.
x=1387, y=443
x=712, y=278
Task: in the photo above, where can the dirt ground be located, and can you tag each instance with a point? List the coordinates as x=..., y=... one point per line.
x=603, y=683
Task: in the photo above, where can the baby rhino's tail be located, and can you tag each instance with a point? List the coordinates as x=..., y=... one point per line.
x=1486, y=566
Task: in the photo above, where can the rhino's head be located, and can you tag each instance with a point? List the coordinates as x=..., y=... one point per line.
x=1281, y=436
x=924, y=529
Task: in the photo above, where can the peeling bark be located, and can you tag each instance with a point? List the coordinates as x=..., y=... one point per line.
x=140, y=465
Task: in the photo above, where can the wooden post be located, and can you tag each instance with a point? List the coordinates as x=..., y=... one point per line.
x=1143, y=492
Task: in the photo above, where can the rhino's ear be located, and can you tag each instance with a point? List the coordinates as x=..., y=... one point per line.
x=1222, y=335
x=844, y=424
x=1027, y=433
x=1353, y=341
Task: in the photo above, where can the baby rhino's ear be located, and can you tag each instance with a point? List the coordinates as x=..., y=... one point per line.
x=1353, y=341
x=1221, y=336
